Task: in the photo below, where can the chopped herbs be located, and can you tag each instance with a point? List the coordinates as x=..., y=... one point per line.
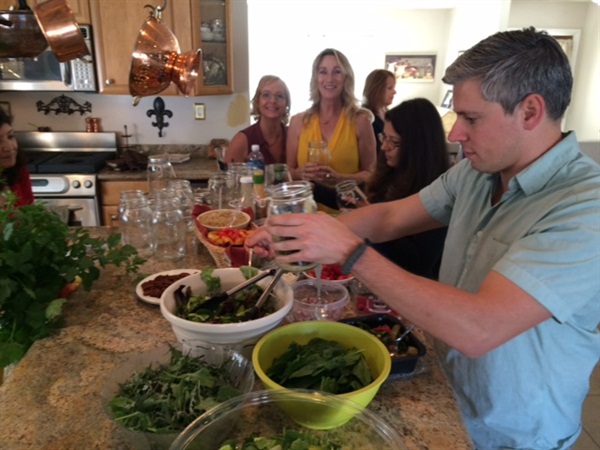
x=168, y=398
x=321, y=365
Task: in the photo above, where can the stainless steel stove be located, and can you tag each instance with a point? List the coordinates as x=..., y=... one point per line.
x=64, y=167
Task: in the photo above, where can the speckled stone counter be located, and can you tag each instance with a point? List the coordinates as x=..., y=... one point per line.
x=198, y=168
x=52, y=399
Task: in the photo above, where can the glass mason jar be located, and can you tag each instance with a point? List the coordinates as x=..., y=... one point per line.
x=349, y=195
x=183, y=191
x=220, y=185
x=135, y=222
x=291, y=198
x=169, y=228
x=160, y=172
x=318, y=152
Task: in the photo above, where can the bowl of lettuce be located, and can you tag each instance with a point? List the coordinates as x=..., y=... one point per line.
x=153, y=396
x=257, y=421
x=229, y=324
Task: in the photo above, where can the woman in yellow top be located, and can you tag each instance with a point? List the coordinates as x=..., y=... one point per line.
x=336, y=118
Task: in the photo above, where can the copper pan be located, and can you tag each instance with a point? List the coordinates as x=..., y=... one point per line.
x=62, y=32
x=20, y=35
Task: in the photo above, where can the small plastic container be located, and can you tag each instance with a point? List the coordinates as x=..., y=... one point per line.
x=308, y=305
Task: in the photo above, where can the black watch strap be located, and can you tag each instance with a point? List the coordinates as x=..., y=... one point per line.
x=354, y=257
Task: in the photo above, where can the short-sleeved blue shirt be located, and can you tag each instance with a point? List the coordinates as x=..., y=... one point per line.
x=543, y=235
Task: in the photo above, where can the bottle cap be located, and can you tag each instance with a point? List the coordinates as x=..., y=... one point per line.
x=245, y=179
x=255, y=147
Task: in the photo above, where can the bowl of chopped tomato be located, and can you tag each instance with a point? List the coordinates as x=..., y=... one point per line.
x=330, y=272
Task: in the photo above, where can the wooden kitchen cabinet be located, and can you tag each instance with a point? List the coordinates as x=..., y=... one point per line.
x=109, y=199
x=116, y=25
x=80, y=8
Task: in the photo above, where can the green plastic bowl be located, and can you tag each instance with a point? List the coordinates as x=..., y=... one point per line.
x=318, y=417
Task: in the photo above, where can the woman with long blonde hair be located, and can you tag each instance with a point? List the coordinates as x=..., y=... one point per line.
x=336, y=118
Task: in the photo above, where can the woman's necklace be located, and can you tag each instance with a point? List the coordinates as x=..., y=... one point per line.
x=273, y=142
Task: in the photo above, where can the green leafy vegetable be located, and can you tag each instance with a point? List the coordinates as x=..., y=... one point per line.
x=233, y=310
x=321, y=365
x=169, y=397
x=289, y=440
x=40, y=256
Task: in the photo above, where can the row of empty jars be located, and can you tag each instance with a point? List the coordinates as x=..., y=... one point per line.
x=157, y=224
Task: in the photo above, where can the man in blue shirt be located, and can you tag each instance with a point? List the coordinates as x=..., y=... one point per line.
x=516, y=310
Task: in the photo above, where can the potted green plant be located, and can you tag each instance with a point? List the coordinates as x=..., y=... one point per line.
x=42, y=261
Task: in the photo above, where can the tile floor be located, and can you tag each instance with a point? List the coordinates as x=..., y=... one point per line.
x=590, y=438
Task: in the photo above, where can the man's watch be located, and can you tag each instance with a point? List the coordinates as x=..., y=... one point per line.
x=355, y=256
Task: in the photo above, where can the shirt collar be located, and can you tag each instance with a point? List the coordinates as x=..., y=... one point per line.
x=535, y=176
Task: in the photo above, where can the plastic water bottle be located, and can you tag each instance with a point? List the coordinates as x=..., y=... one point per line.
x=256, y=160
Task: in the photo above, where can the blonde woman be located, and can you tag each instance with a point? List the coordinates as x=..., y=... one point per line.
x=336, y=118
x=271, y=109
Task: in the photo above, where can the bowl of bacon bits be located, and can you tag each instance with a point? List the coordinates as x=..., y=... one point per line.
x=329, y=272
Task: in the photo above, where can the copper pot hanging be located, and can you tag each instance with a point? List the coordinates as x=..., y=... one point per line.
x=20, y=35
x=156, y=61
x=61, y=30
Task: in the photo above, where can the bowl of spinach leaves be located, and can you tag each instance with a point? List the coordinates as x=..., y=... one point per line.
x=155, y=395
x=322, y=356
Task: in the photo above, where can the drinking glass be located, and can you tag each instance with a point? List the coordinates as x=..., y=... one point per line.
x=219, y=186
x=220, y=153
x=276, y=174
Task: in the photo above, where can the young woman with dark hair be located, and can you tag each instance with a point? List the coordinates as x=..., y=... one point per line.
x=14, y=175
x=413, y=154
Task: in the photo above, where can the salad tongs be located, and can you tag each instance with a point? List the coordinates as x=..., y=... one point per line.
x=253, y=313
x=214, y=301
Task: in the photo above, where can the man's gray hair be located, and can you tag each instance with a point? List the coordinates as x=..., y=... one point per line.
x=513, y=64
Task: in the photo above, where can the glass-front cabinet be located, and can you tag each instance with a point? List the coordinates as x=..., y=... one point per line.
x=211, y=31
x=197, y=24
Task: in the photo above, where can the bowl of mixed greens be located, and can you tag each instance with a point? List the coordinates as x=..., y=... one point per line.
x=323, y=356
x=257, y=421
x=155, y=395
x=231, y=323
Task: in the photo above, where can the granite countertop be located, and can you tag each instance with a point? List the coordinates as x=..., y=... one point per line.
x=198, y=168
x=52, y=399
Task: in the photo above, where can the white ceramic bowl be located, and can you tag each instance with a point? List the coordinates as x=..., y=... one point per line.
x=238, y=336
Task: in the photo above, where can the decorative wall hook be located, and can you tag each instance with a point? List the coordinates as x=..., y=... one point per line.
x=160, y=112
x=64, y=105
